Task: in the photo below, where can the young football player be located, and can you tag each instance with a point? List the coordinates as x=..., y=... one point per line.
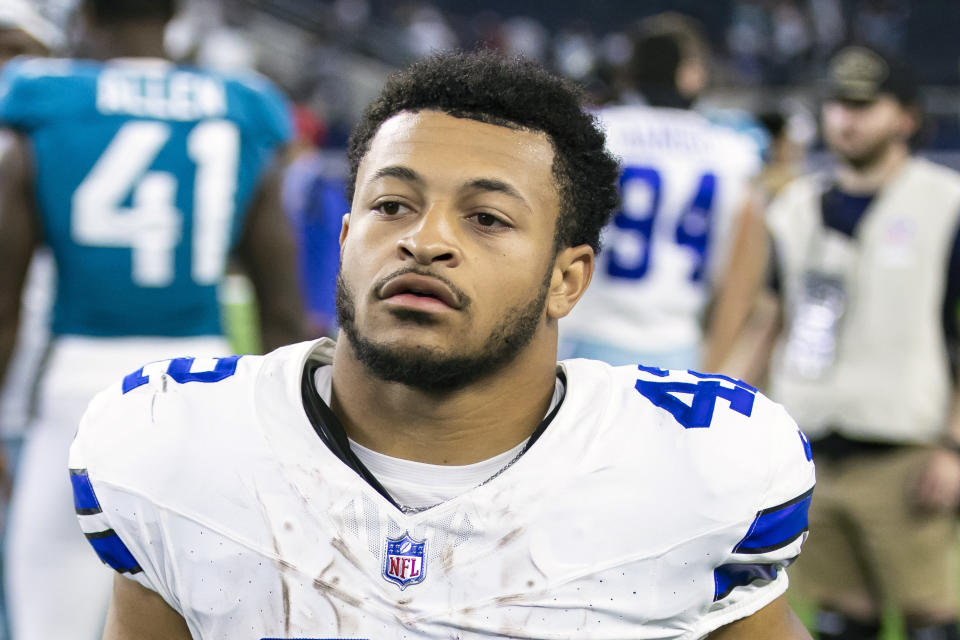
x=435, y=473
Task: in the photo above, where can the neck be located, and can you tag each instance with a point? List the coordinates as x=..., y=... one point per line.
x=869, y=179
x=129, y=40
x=460, y=427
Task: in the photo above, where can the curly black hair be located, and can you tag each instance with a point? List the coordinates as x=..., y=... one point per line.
x=514, y=93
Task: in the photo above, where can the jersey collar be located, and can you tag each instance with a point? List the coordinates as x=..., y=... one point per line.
x=331, y=432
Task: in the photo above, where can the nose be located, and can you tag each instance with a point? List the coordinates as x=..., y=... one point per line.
x=432, y=239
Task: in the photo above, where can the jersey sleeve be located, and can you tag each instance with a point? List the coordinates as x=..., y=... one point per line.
x=270, y=111
x=753, y=572
x=19, y=97
x=124, y=529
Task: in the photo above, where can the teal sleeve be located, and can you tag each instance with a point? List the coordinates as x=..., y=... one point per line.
x=277, y=116
x=18, y=97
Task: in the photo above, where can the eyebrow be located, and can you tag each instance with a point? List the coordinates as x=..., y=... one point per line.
x=492, y=184
x=407, y=174
x=398, y=171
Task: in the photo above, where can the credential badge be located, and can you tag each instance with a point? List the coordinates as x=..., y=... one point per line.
x=404, y=562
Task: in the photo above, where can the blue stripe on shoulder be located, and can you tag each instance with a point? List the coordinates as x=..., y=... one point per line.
x=84, y=499
x=777, y=526
x=727, y=577
x=113, y=552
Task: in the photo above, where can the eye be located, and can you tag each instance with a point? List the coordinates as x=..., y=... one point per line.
x=488, y=220
x=391, y=207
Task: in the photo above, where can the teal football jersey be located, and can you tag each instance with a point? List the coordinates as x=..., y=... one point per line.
x=143, y=173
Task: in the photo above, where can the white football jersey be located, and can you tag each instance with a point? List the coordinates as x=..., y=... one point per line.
x=684, y=180
x=654, y=505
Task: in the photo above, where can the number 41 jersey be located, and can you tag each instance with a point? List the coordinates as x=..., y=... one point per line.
x=655, y=505
x=143, y=172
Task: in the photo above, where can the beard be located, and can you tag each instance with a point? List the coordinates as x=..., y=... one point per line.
x=436, y=370
x=865, y=158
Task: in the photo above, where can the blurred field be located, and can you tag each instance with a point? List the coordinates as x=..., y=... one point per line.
x=239, y=315
x=892, y=622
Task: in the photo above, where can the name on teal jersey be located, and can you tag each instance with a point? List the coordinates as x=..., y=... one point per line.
x=159, y=93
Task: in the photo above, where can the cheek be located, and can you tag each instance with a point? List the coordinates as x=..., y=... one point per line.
x=353, y=269
x=517, y=282
x=833, y=121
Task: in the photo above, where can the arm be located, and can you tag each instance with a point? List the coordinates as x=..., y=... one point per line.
x=268, y=252
x=137, y=613
x=776, y=621
x=738, y=288
x=18, y=236
x=939, y=486
x=749, y=357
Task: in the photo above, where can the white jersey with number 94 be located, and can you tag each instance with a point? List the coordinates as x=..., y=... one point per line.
x=683, y=182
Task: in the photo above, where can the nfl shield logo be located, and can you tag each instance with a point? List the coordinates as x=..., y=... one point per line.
x=404, y=562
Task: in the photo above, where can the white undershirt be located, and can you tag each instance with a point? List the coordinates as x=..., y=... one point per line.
x=418, y=484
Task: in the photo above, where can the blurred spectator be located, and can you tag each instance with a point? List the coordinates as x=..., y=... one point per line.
x=790, y=134
x=427, y=31
x=686, y=204
x=525, y=36
x=883, y=24
x=867, y=273
x=747, y=38
x=827, y=21
x=574, y=53
x=791, y=41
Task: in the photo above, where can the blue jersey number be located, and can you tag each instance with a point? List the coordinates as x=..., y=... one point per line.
x=179, y=370
x=631, y=241
x=699, y=413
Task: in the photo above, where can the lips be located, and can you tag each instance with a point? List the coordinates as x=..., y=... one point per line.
x=422, y=286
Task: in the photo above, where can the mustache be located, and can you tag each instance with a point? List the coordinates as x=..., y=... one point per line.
x=463, y=300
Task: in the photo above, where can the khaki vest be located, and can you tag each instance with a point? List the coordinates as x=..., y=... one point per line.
x=863, y=350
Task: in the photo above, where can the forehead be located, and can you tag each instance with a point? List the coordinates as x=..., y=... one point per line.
x=882, y=103
x=442, y=147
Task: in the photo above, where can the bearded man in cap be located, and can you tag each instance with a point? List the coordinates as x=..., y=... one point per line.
x=867, y=273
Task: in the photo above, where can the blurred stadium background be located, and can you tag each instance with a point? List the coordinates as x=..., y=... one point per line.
x=767, y=57
x=331, y=57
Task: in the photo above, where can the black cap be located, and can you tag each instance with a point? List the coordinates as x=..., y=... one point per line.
x=860, y=74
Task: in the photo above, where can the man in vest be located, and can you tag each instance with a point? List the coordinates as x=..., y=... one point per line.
x=867, y=270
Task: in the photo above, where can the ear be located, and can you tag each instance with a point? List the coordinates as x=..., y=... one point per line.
x=572, y=271
x=911, y=121
x=344, y=227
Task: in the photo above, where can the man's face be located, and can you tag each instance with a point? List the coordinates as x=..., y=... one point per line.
x=448, y=249
x=861, y=131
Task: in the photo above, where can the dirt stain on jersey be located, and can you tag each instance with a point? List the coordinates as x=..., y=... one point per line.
x=510, y=537
x=341, y=547
x=446, y=559
x=284, y=587
x=328, y=589
x=507, y=600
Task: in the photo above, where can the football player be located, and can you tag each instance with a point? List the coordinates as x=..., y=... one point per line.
x=435, y=473
x=686, y=217
x=143, y=178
